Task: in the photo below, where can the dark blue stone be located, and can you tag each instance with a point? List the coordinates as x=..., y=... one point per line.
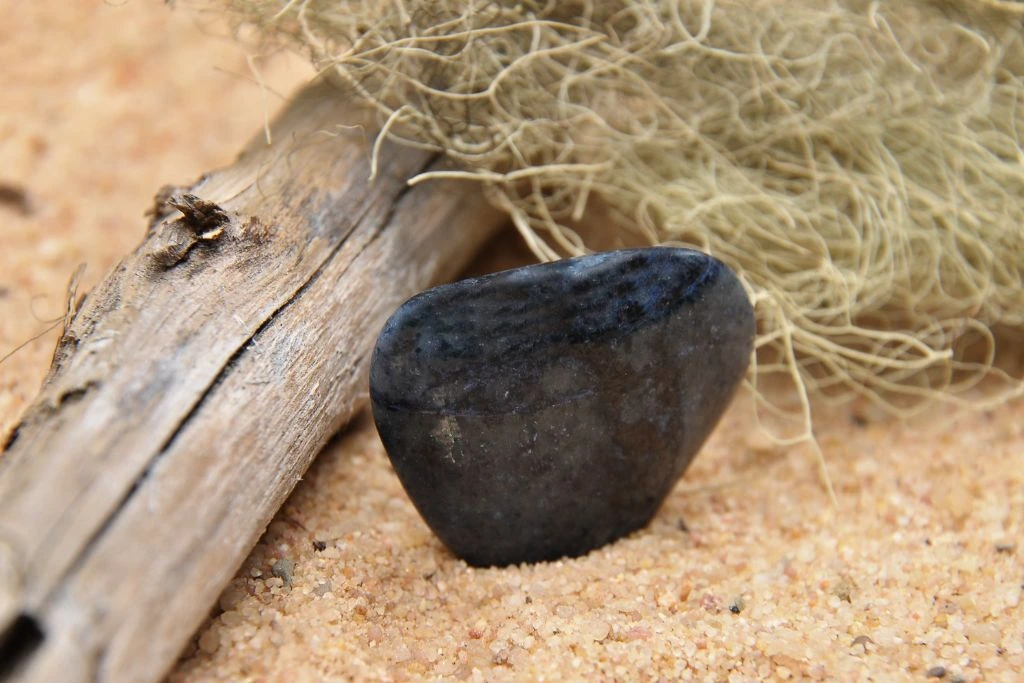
x=544, y=411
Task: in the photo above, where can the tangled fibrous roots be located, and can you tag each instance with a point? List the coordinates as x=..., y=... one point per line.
x=859, y=164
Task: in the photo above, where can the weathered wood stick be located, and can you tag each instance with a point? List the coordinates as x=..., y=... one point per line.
x=197, y=382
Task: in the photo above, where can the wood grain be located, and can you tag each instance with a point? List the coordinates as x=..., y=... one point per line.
x=197, y=382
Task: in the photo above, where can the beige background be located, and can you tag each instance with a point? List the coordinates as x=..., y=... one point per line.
x=921, y=565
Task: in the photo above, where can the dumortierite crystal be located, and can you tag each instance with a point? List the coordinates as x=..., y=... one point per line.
x=544, y=411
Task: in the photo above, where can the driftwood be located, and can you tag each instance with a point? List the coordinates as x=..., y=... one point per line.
x=195, y=385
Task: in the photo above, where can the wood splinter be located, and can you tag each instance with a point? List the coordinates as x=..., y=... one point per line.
x=195, y=384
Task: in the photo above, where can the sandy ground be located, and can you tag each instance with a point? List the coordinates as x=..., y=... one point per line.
x=746, y=574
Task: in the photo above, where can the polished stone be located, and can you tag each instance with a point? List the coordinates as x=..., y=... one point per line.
x=544, y=411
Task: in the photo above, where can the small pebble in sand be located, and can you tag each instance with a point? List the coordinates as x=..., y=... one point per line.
x=844, y=589
x=209, y=642
x=283, y=569
x=544, y=411
x=862, y=641
x=936, y=672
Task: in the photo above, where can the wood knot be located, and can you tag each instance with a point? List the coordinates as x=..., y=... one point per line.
x=201, y=221
x=205, y=219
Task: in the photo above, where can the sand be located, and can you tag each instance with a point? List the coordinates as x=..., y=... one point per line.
x=745, y=574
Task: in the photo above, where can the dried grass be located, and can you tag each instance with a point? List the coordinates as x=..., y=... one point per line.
x=859, y=164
